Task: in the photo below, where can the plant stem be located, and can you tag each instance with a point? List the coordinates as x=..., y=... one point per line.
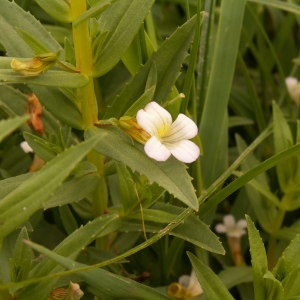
x=84, y=63
x=86, y=97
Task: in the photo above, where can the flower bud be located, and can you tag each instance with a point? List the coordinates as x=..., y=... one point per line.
x=73, y=292
x=36, y=66
x=132, y=128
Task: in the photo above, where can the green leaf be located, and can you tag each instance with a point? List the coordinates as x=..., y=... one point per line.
x=73, y=190
x=13, y=99
x=287, y=6
x=264, y=203
x=291, y=283
x=291, y=200
x=30, y=196
x=128, y=193
x=140, y=103
x=49, y=78
x=286, y=170
x=60, y=10
x=214, y=138
x=13, y=17
x=166, y=61
x=9, y=125
x=258, y=259
x=102, y=282
x=210, y=282
x=274, y=289
x=70, y=191
x=43, y=148
x=171, y=175
x=9, y=184
x=123, y=19
x=69, y=247
x=31, y=41
x=203, y=237
x=92, y=12
x=289, y=259
x=22, y=258
x=153, y=215
x=233, y=276
x=242, y=180
x=59, y=105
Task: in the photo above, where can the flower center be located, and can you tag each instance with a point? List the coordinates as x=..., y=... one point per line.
x=163, y=130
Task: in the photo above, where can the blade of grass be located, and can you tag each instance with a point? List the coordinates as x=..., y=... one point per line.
x=293, y=8
x=241, y=181
x=214, y=138
x=9, y=125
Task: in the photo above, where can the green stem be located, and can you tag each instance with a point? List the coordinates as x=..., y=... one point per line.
x=153, y=239
x=86, y=96
x=84, y=63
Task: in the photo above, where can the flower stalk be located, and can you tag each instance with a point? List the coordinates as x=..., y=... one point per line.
x=234, y=232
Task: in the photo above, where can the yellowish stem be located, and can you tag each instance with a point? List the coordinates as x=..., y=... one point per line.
x=84, y=63
x=86, y=97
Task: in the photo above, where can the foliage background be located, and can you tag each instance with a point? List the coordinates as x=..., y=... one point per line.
x=100, y=211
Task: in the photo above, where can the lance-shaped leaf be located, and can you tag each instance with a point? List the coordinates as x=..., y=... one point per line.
x=288, y=170
x=273, y=287
x=171, y=175
x=9, y=125
x=289, y=259
x=167, y=62
x=22, y=257
x=210, y=282
x=50, y=78
x=69, y=247
x=92, y=12
x=60, y=10
x=258, y=259
x=214, y=138
x=104, y=283
x=17, y=207
x=123, y=20
x=203, y=237
x=13, y=17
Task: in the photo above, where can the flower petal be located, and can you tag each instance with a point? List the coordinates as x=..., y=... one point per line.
x=184, y=280
x=154, y=119
x=25, y=147
x=229, y=221
x=185, y=151
x=293, y=87
x=183, y=128
x=156, y=150
x=194, y=286
x=242, y=223
x=236, y=232
x=220, y=228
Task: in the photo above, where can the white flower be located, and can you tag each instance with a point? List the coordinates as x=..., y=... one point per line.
x=293, y=87
x=187, y=287
x=73, y=292
x=166, y=137
x=231, y=227
x=25, y=147
x=191, y=283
